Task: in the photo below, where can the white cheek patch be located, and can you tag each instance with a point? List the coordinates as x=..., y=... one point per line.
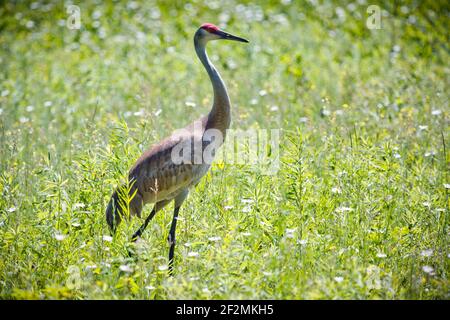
x=209, y=36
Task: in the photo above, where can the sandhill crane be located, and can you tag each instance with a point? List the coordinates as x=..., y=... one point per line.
x=156, y=177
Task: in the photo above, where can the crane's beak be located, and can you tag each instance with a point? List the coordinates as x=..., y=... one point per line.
x=227, y=36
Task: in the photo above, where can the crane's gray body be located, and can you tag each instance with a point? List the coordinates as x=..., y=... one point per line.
x=156, y=178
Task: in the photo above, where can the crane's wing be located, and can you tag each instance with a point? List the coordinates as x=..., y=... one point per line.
x=157, y=177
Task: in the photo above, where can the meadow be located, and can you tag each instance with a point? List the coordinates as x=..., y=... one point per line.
x=359, y=208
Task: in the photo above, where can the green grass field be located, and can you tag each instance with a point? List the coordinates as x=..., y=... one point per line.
x=359, y=208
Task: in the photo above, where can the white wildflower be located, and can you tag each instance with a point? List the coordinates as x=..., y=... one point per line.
x=30, y=24
x=193, y=254
x=336, y=190
x=274, y=108
x=60, y=237
x=428, y=269
x=78, y=205
x=139, y=113
x=421, y=128
x=338, y=279
x=344, y=209
x=325, y=112
x=303, y=119
x=289, y=235
x=126, y=268
x=427, y=253
x=436, y=112
x=290, y=232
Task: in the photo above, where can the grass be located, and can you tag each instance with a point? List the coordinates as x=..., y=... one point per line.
x=357, y=210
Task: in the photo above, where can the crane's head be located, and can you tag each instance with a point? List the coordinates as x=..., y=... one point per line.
x=208, y=32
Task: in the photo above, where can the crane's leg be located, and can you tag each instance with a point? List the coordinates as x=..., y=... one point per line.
x=158, y=206
x=171, y=238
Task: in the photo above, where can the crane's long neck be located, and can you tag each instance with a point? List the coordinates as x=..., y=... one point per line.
x=219, y=117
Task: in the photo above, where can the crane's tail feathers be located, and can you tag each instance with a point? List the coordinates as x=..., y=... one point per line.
x=125, y=201
x=113, y=212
